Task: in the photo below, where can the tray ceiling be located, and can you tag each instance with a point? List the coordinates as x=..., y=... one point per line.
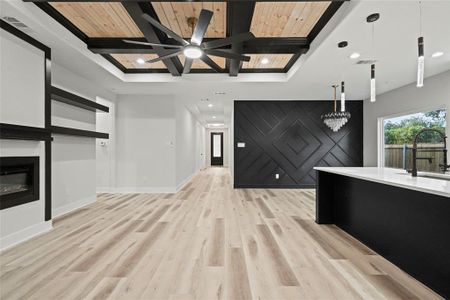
x=283, y=30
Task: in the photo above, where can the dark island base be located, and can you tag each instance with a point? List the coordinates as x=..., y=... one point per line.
x=409, y=228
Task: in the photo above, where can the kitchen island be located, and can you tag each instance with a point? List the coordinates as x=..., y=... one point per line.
x=405, y=219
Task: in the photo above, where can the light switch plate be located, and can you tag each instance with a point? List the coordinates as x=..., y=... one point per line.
x=241, y=145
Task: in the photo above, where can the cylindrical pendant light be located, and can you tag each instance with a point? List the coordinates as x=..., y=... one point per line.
x=420, y=63
x=342, y=96
x=373, y=92
x=421, y=58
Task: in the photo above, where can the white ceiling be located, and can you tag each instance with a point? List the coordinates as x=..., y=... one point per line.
x=311, y=77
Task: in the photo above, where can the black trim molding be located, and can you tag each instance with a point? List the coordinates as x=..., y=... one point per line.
x=63, y=96
x=78, y=132
x=11, y=131
x=19, y=132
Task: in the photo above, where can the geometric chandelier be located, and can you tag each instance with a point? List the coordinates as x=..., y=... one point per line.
x=335, y=120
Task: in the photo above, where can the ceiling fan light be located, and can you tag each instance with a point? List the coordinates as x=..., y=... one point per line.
x=192, y=52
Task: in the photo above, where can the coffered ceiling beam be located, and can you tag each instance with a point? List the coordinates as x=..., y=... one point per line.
x=255, y=46
x=136, y=10
x=239, y=19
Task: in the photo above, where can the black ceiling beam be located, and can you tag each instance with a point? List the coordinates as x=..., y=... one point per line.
x=254, y=46
x=136, y=10
x=239, y=19
x=323, y=20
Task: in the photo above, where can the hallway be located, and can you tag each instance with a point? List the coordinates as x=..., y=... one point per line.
x=207, y=241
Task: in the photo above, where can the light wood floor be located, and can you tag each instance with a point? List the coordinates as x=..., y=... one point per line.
x=208, y=242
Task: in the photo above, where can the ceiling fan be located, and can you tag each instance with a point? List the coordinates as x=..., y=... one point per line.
x=195, y=48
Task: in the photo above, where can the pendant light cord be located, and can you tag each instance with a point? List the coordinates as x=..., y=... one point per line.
x=373, y=41
x=420, y=18
x=335, y=105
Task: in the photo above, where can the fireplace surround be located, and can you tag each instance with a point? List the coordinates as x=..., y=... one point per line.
x=19, y=180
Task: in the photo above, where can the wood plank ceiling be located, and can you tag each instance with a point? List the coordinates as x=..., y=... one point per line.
x=95, y=19
x=270, y=20
x=175, y=14
x=286, y=19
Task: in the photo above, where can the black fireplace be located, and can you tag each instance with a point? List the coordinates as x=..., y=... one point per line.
x=19, y=180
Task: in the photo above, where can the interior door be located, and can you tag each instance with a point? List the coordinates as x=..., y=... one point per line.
x=216, y=148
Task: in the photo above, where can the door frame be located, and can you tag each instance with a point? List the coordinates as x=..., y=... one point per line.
x=217, y=161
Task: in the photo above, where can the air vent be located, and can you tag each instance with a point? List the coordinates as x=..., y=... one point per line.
x=16, y=23
x=366, y=62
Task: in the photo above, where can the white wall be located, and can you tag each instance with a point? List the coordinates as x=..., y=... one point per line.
x=106, y=148
x=188, y=139
x=145, y=144
x=408, y=99
x=22, y=82
x=226, y=147
x=22, y=102
x=74, y=158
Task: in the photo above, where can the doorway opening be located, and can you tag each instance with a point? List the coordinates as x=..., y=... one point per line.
x=216, y=148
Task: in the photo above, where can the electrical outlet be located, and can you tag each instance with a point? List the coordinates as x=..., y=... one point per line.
x=277, y=176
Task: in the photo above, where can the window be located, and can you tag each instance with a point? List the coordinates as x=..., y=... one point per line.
x=399, y=133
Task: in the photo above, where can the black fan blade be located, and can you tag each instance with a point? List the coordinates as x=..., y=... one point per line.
x=152, y=44
x=164, y=29
x=202, y=25
x=227, y=54
x=187, y=65
x=238, y=38
x=167, y=54
x=211, y=63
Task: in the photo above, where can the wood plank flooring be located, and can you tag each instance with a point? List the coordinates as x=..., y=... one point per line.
x=208, y=241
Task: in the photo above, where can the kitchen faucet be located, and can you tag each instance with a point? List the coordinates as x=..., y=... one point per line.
x=444, y=167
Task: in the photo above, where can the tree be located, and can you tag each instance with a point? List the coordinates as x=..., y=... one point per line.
x=403, y=132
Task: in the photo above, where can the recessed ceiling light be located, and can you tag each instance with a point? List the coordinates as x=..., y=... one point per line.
x=355, y=55
x=213, y=117
x=140, y=61
x=437, y=54
x=220, y=93
x=265, y=61
x=216, y=124
x=210, y=105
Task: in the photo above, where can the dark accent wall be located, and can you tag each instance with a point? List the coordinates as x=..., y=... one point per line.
x=289, y=138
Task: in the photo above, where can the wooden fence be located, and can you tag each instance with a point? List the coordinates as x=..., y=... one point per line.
x=400, y=156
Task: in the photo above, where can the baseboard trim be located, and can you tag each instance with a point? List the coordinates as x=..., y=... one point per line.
x=273, y=186
x=103, y=189
x=186, y=181
x=144, y=190
x=25, y=234
x=57, y=212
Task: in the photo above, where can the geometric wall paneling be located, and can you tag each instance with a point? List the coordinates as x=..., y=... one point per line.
x=289, y=139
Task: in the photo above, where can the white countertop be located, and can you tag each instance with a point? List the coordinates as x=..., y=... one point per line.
x=394, y=177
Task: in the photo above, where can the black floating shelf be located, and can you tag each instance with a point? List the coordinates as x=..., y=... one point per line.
x=75, y=100
x=19, y=132
x=79, y=132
